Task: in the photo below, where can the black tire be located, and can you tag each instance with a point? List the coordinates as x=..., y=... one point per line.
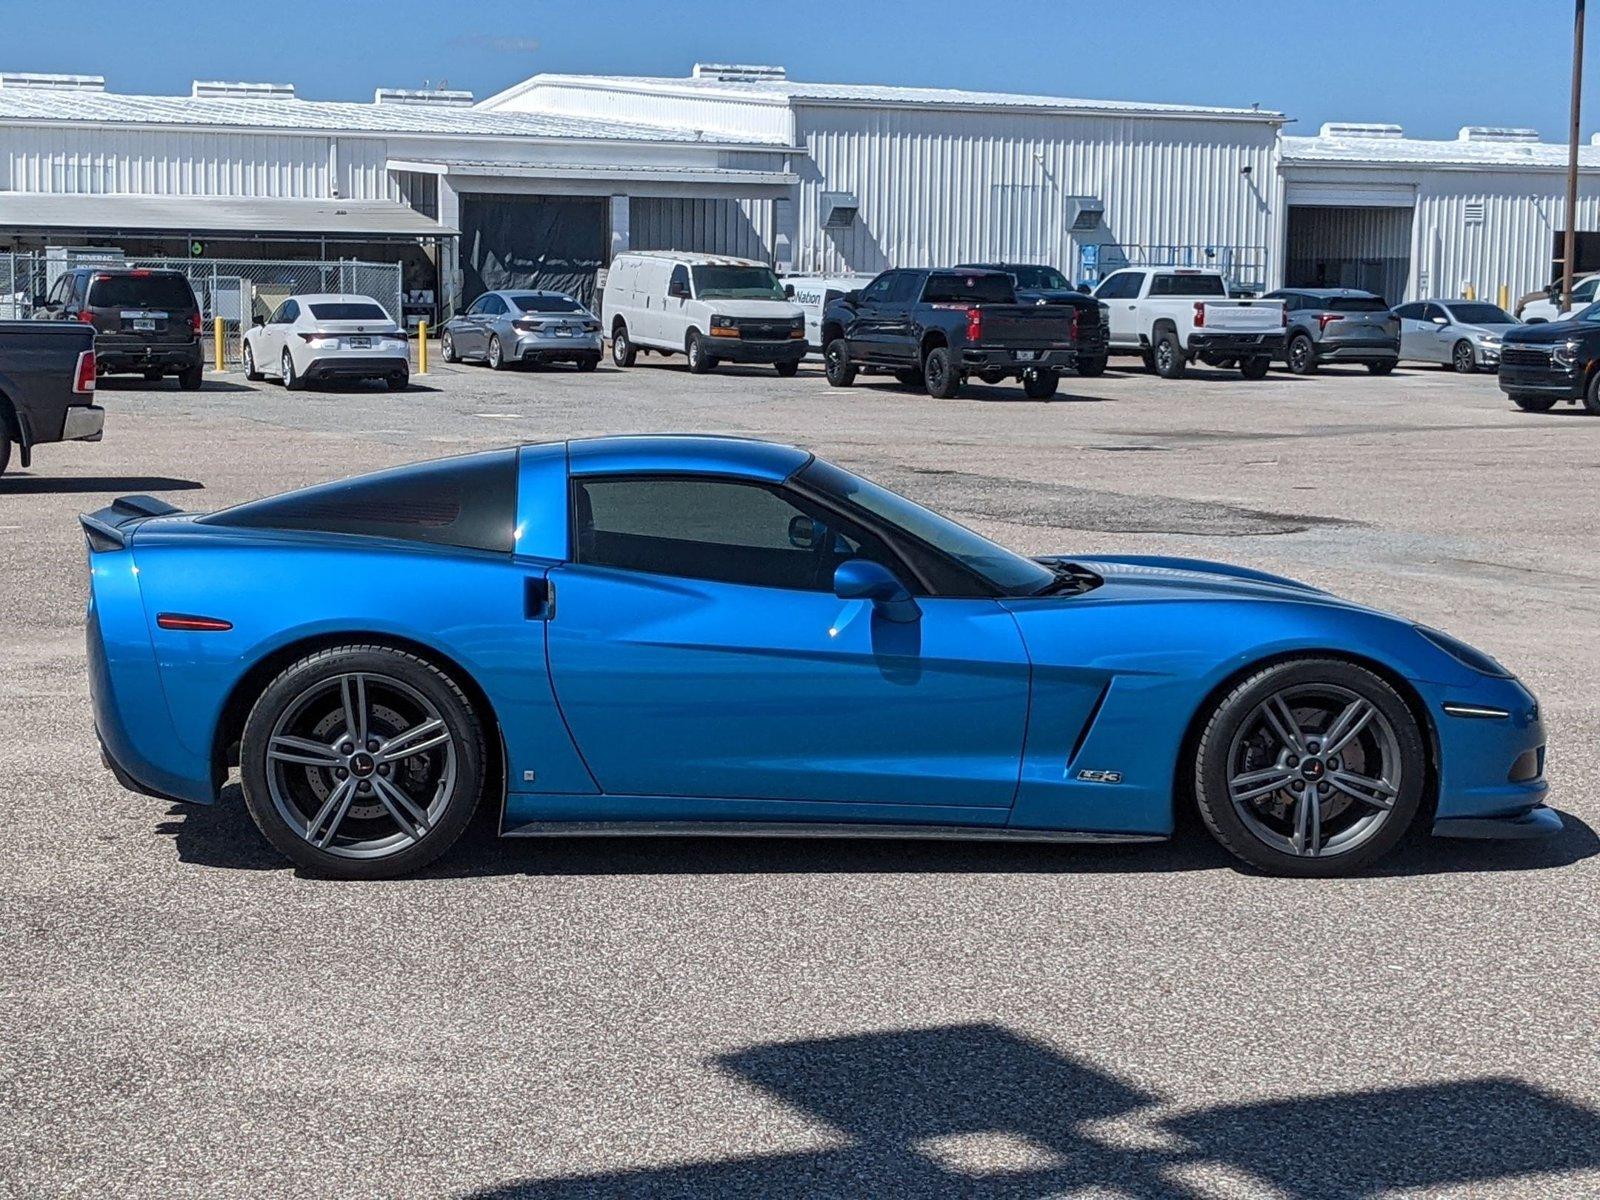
x=1302, y=355
x=1040, y=383
x=496, y=355
x=1168, y=355
x=1591, y=395
x=447, y=347
x=190, y=378
x=841, y=372
x=398, y=382
x=152, y=376
x=941, y=375
x=1243, y=704
x=1463, y=358
x=788, y=369
x=251, y=371
x=1533, y=402
x=623, y=353
x=1255, y=367
x=992, y=377
x=911, y=379
x=592, y=362
x=1382, y=368
x=308, y=683
x=5, y=446
x=1094, y=364
x=1148, y=358
x=694, y=349
x=286, y=372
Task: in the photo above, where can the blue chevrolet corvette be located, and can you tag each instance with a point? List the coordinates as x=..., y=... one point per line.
x=648, y=635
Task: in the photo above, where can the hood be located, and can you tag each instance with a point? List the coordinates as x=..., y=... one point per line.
x=765, y=310
x=1544, y=333
x=1155, y=577
x=1498, y=329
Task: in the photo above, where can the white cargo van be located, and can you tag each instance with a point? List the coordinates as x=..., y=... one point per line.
x=813, y=293
x=709, y=307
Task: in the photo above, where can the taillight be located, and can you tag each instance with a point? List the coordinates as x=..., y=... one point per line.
x=85, y=316
x=974, y=325
x=1073, y=329
x=140, y=272
x=194, y=322
x=1199, y=314
x=1326, y=319
x=83, y=377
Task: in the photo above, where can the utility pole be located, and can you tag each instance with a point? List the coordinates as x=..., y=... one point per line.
x=1569, y=251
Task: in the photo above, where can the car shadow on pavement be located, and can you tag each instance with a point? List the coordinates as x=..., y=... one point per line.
x=120, y=484
x=222, y=835
x=132, y=383
x=978, y=1111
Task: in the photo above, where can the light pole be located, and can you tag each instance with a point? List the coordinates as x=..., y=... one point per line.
x=1568, y=251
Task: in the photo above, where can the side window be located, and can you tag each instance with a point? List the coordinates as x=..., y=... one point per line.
x=1584, y=292
x=58, y=290
x=477, y=307
x=906, y=287
x=1432, y=313
x=78, y=285
x=493, y=305
x=1409, y=312
x=878, y=290
x=288, y=313
x=713, y=529
x=1124, y=285
x=680, y=279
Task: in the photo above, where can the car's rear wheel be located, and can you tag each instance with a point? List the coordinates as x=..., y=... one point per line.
x=1302, y=355
x=497, y=353
x=589, y=362
x=190, y=378
x=788, y=370
x=841, y=372
x=399, y=381
x=1464, y=358
x=251, y=371
x=362, y=762
x=1169, y=359
x=291, y=378
x=940, y=373
x=1381, y=368
x=447, y=348
x=1311, y=767
x=1255, y=367
x=1040, y=383
x=1534, y=402
x=1094, y=364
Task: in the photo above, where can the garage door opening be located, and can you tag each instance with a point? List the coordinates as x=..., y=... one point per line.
x=1355, y=247
x=554, y=242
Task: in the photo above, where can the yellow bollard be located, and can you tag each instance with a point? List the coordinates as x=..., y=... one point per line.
x=1469, y=292
x=1505, y=297
x=422, y=347
x=219, y=342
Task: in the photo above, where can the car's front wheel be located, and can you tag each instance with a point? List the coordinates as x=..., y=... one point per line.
x=1310, y=767
x=1533, y=402
x=447, y=348
x=1255, y=367
x=251, y=371
x=694, y=347
x=1464, y=358
x=841, y=372
x=622, y=350
x=362, y=762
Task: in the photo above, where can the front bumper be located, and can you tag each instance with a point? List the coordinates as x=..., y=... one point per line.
x=1551, y=380
x=1537, y=822
x=1491, y=756
x=730, y=349
x=1236, y=344
x=357, y=366
x=533, y=348
x=84, y=423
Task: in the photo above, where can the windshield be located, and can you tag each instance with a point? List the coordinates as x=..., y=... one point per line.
x=554, y=304
x=1011, y=574
x=348, y=312
x=737, y=283
x=1041, y=279
x=968, y=289
x=140, y=291
x=1592, y=313
x=1482, y=314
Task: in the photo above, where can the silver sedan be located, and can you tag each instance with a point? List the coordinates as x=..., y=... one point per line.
x=1463, y=334
x=507, y=327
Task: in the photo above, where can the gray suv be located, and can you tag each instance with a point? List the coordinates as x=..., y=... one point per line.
x=1338, y=325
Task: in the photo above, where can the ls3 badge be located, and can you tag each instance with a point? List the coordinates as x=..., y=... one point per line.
x=1100, y=776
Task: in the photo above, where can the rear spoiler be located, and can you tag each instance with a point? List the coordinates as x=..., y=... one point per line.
x=106, y=527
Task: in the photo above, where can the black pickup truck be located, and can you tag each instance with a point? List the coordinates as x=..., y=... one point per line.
x=934, y=328
x=1037, y=283
x=1546, y=362
x=47, y=372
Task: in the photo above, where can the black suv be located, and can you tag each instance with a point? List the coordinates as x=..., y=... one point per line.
x=145, y=322
x=1548, y=361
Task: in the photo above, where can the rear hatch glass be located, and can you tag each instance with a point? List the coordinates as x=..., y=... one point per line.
x=151, y=307
x=1357, y=304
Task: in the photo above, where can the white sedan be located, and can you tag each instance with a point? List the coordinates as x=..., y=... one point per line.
x=312, y=339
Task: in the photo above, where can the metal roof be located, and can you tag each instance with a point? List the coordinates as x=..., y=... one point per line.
x=51, y=106
x=1394, y=149
x=789, y=91
x=523, y=169
x=213, y=214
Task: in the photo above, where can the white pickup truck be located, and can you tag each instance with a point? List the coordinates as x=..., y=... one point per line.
x=1171, y=316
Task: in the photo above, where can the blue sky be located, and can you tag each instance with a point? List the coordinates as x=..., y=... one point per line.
x=1433, y=65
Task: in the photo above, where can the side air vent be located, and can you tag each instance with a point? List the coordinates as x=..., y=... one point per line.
x=215, y=89
x=54, y=83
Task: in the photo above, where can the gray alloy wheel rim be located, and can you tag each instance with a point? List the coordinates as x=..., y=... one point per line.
x=835, y=359
x=619, y=344
x=288, y=367
x=447, y=347
x=363, y=739
x=694, y=351
x=1314, y=771
x=1163, y=355
x=249, y=360
x=1465, y=360
x=495, y=353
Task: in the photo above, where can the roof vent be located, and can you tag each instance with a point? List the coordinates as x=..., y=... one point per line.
x=738, y=72
x=1355, y=129
x=429, y=96
x=215, y=89
x=55, y=83
x=1494, y=133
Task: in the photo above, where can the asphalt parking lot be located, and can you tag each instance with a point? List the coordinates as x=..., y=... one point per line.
x=183, y=1015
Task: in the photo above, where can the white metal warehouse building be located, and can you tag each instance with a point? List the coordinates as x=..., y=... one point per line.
x=544, y=182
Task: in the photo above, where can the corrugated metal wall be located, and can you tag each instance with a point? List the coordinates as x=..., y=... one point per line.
x=192, y=162
x=937, y=186
x=1364, y=247
x=714, y=226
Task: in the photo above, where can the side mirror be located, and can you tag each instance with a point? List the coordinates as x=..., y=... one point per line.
x=260, y=320
x=1441, y=320
x=806, y=534
x=41, y=301
x=863, y=579
x=853, y=297
x=678, y=290
x=788, y=291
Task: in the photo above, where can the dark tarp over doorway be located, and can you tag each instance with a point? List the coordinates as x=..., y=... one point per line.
x=555, y=242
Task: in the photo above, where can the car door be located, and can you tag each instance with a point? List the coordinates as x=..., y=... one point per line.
x=865, y=330
x=704, y=664
x=1436, y=337
x=275, y=333
x=1120, y=292
x=671, y=330
x=898, y=334
x=1410, y=318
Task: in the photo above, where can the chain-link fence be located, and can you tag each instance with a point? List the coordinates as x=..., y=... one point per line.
x=238, y=290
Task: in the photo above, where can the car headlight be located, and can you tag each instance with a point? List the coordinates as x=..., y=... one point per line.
x=724, y=323
x=1488, y=339
x=1567, y=352
x=1467, y=656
